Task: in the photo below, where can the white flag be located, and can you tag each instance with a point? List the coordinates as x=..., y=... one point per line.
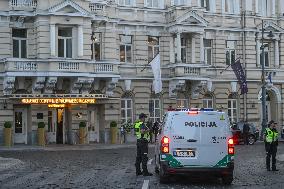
x=156, y=67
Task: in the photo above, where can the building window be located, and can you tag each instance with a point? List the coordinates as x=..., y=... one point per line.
x=205, y=4
x=231, y=6
x=183, y=50
x=153, y=47
x=230, y=52
x=65, y=42
x=96, y=46
x=126, y=110
x=125, y=48
x=180, y=2
x=182, y=103
x=233, y=110
x=126, y=2
x=264, y=7
x=266, y=55
x=207, y=102
x=155, y=110
x=19, y=43
x=208, y=51
x=152, y=3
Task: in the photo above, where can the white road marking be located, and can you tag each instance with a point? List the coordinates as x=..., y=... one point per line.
x=150, y=161
x=145, y=184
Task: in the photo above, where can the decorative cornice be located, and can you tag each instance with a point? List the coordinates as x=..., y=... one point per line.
x=65, y=3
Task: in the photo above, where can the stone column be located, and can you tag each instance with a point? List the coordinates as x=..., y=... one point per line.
x=80, y=41
x=193, y=49
x=178, y=47
x=201, y=49
x=276, y=54
x=258, y=53
x=52, y=40
x=172, y=53
x=273, y=7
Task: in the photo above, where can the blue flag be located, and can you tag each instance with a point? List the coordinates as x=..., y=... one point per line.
x=239, y=72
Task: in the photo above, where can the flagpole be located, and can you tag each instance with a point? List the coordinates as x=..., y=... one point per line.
x=148, y=63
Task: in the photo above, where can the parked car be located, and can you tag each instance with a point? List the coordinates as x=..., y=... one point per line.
x=237, y=130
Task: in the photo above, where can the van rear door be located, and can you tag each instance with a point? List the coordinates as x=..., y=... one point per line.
x=185, y=138
x=213, y=148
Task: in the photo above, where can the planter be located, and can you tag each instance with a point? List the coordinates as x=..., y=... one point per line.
x=82, y=135
x=113, y=135
x=8, y=137
x=41, y=136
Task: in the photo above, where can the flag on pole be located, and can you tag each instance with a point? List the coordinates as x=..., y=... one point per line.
x=239, y=72
x=156, y=67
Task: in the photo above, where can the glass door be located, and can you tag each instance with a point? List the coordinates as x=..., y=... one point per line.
x=20, y=126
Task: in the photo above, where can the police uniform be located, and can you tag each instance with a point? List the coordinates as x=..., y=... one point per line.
x=142, y=146
x=271, y=143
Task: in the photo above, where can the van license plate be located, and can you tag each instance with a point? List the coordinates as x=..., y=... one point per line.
x=188, y=153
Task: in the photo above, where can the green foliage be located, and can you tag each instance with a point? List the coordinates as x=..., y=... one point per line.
x=113, y=124
x=82, y=124
x=41, y=125
x=7, y=124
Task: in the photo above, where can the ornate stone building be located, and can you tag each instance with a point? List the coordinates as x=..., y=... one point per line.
x=57, y=56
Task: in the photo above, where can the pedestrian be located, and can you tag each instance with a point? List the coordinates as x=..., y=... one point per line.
x=246, y=133
x=271, y=143
x=122, y=134
x=143, y=138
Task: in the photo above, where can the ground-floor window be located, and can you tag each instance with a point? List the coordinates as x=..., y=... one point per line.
x=155, y=109
x=233, y=110
x=207, y=102
x=182, y=103
x=126, y=110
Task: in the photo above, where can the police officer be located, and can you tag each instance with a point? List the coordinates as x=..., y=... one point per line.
x=143, y=137
x=271, y=143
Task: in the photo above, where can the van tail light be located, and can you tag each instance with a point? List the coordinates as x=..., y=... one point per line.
x=231, y=148
x=165, y=144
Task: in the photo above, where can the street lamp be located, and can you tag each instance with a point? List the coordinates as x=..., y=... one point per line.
x=263, y=89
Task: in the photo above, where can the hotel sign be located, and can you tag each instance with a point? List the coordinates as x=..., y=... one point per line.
x=58, y=101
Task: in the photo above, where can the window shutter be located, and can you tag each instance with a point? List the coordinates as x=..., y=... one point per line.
x=237, y=6
x=162, y=5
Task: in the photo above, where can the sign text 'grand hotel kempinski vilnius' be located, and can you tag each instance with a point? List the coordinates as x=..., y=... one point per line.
x=58, y=101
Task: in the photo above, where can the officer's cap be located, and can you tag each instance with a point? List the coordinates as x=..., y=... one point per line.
x=142, y=115
x=271, y=122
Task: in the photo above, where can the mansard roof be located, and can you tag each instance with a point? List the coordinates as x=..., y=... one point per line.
x=68, y=7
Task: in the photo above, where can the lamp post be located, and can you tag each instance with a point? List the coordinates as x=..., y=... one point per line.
x=263, y=87
x=263, y=91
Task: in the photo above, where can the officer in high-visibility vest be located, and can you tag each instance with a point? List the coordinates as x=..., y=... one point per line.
x=271, y=143
x=143, y=137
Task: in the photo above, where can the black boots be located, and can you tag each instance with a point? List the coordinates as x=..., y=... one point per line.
x=147, y=174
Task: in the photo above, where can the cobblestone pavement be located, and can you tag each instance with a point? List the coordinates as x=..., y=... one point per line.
x=107, y=167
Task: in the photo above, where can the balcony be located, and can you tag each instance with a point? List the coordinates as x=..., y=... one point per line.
x=188, y=70
x=76, y=67
x=23, y=4
x=98, y=8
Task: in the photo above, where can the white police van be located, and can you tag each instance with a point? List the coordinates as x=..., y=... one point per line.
x=195, y=141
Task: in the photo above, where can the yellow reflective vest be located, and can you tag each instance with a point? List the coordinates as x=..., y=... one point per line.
x=139, y=135
x=271, y=136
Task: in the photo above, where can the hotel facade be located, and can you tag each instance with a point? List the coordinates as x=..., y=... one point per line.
x=63, y=62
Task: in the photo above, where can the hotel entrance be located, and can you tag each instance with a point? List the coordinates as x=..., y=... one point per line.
x=55, y=130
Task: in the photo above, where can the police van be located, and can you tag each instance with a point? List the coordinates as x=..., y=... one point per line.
x=195, y=141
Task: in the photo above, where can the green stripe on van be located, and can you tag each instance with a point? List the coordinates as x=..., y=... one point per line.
x=172, y=161
x=223, y=162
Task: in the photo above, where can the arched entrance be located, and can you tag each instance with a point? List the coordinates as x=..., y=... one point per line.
x=273, y=104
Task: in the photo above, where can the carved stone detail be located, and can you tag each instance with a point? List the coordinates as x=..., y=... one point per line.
x=38, y=84
x=50, y=84
x=175, y=86
x=8, y=84
x=110, y=86
x=196, y=88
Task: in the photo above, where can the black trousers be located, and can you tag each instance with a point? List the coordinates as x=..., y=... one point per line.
x=142, y=155
x=271, y=150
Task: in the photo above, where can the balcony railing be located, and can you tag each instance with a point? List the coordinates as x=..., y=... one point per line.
x=97, y=8
x=23, y=3
x=28, y=65
x=181, y=70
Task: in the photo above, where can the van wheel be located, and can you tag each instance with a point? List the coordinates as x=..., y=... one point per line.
x=251, y=140
x=227, y=180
